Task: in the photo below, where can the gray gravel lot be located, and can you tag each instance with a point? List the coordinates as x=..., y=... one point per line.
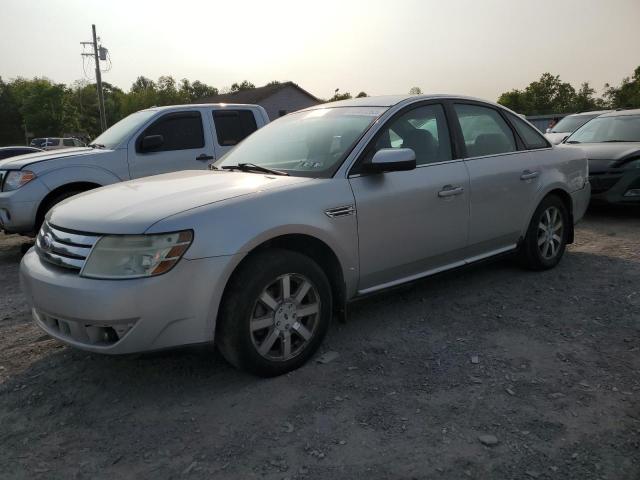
x=547, y=363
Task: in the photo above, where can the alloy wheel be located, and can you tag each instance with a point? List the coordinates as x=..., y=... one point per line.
x=550, y=233
x=285, y=317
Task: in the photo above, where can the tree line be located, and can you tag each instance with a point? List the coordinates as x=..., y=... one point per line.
x=40, y=107
x=549, y=95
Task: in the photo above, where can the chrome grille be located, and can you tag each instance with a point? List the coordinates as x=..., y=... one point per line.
x=64, y=248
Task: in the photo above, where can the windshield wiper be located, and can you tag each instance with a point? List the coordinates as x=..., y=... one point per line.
x=97, y=145
x=610, y=141
x=573, y=141
x=252, y=167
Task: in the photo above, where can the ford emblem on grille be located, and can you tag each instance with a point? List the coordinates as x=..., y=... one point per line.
x=47, y=242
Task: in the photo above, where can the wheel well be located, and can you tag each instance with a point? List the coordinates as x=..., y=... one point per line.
x=568, y=203
x=320, y=253
x=56, y=192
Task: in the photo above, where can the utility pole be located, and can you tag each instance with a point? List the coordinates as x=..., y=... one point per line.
x=94, y=44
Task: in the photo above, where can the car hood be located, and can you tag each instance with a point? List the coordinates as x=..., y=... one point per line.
x=132, y=207
x=16, y=163
x=556, y=137
x=603, y=156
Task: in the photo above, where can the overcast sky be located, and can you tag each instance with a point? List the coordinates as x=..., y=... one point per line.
x=473, y=47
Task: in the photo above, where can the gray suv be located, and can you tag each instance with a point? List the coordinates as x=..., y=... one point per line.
x=316, y=209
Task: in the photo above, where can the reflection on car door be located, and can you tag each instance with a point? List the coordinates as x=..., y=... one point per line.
x=503, y=179
x=414, y=222
x=185, y=146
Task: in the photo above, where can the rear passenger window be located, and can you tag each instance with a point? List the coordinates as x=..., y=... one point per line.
x=180, y=131
x=424, y=130
x=233, y=126
x=68, y=142
x=531, y=137
x=485, y=132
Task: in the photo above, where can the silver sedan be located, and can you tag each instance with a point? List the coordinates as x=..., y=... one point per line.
x=316, y=209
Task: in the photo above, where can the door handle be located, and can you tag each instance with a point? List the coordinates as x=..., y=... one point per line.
x=202, y=157
x=528, y=175
x=450, y=191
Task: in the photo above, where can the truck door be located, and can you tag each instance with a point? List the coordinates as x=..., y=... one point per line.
x=174, y=141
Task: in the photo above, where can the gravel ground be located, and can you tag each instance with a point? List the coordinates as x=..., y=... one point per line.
x=544, y=368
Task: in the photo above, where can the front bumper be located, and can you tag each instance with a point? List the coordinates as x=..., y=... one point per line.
x=18, y=208
x=127, y=316
x=614, y=187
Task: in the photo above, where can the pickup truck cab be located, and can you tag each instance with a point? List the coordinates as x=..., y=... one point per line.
x=149, y=142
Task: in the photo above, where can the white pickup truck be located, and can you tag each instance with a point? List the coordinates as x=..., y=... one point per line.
x=149, y=142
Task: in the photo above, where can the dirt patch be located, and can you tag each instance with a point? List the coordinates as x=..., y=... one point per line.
x=548, y=363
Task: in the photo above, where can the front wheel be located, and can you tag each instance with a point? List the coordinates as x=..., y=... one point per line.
x=275, y=313
x=546, y=238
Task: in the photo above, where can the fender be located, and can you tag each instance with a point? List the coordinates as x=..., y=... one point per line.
x=76, y=174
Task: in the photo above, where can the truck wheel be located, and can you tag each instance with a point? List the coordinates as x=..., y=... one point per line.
x=275, y=313
x=546, y=239
x=52, y=202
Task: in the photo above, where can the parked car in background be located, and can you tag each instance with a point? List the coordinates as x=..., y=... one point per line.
x=148, y=142
x=612, y=145
x=316, y=209
x=55, y=143
x=7, y=152
x=570, y=124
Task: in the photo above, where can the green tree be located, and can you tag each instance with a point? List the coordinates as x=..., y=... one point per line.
x=627, y=95
x=339, y=96
x=362, y=95
x=245, y=85
x=11, y=130
x=415, y=91
x=192, y=92
x=546, y=95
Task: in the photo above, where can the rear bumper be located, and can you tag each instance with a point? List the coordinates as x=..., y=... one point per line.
x=126, y=316
x=617, y=187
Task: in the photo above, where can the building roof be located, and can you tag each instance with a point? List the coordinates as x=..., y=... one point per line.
x=254, y=95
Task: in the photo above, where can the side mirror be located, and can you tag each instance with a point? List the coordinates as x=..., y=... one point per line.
x=548, y=130
x=151, y=142
x=391, y=160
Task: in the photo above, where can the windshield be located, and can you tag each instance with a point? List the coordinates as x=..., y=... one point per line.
x=114, y=135
x=622, y=128
x=571, y=123
x=312, y=143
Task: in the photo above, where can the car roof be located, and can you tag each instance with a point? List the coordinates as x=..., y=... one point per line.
x=187, y=106
x=620, y=113
x=392, y=100
x=593, y=113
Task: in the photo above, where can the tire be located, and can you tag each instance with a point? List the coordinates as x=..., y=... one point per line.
x=52, y=203
x=541, y=250
x=261, y=329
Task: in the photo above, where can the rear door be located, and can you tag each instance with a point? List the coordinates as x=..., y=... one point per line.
x=184, y=147
x=231, y=126
x=415, y=222
x=504, y=178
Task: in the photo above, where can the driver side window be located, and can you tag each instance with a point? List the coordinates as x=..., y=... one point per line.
x=424, y=130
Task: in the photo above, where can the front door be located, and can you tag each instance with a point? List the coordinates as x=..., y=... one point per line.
x=414, y=222
x=184, y=146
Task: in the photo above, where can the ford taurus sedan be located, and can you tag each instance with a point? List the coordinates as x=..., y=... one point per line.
x=318, y=208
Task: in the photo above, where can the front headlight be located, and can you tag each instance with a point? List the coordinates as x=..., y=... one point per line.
x=16, y=179
x=134, y=256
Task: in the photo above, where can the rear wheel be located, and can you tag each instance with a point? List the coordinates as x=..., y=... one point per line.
x=275, y=313
x=546, y=238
